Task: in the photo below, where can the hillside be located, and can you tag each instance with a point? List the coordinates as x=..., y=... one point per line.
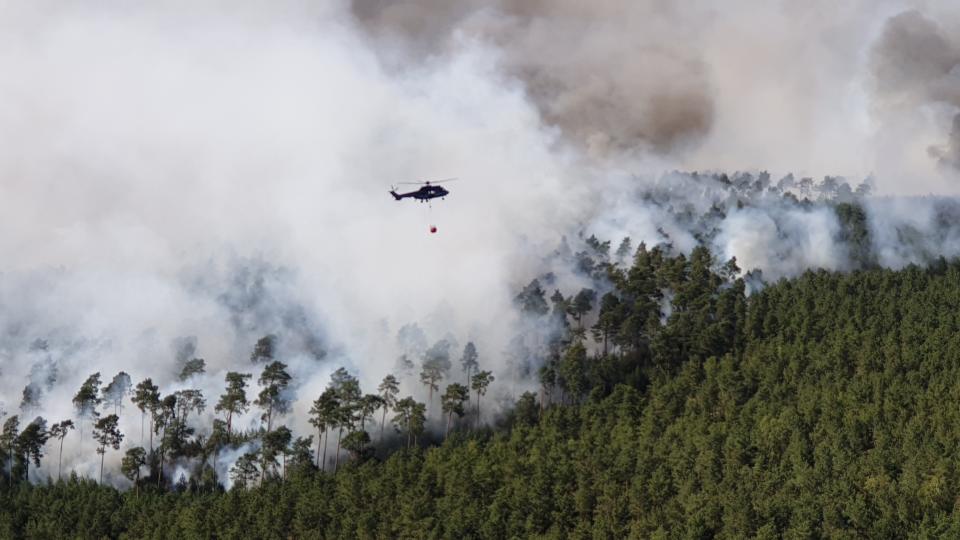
x=823, y=405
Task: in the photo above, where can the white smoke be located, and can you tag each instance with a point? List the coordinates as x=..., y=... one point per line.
x=219, y=170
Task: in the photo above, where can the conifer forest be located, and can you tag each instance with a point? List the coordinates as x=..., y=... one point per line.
x=483, y=269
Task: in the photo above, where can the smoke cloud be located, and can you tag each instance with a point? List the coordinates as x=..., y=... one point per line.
x=589, y=69
x=917, y=66
x=181, y=179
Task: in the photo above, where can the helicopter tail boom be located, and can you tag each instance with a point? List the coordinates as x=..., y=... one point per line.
x=395, y=195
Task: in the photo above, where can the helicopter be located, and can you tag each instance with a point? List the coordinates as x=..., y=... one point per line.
x=428, y=190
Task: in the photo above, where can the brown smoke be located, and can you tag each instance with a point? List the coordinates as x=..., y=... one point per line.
x=612, y=76
x=741, y=83
x=917, y=64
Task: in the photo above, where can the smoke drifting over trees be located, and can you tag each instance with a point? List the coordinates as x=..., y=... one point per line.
x=179, y=182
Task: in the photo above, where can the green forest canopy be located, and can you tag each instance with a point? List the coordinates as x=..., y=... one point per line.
x=826, y=405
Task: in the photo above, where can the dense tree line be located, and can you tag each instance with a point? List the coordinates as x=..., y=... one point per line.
x=671, y=404
x=178, y=437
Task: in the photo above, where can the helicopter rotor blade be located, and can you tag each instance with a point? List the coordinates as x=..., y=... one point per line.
x=428, y=182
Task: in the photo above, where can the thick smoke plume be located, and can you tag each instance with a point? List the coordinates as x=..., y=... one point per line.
x=813, y=88
x=917, y=63
x=181, y=179
x=586, y=67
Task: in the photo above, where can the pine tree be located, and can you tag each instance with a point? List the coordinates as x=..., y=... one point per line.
x=430, y=376
x=469, y=359
x=452, y=401
x=531, y=300
x=609, y=321
x=301, y=457
x=107, y=434
x=30, y=443
x=481, y=381
x=411, y=417
x=572, y=370
x=244, y=470
x=8, y=441
x=87, y=399
x=264, y=350
x=347, y=389
x=436, y=364
x=389, y=389
x=219, y=436
x=358, y=444
x=624, y=252
x=273, y=398
x=191, y=368
x=133, y=461
x=146, y=396
x=118, y=389
x=30, y=400
x=60, y=431
x=368, y=405
x=412, y=342
x=234, y=400
x=164, y=420
x=323, y=416
x=581, y=305
x=275, y=443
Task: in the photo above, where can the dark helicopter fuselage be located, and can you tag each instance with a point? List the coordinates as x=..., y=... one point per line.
x=425, y=193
